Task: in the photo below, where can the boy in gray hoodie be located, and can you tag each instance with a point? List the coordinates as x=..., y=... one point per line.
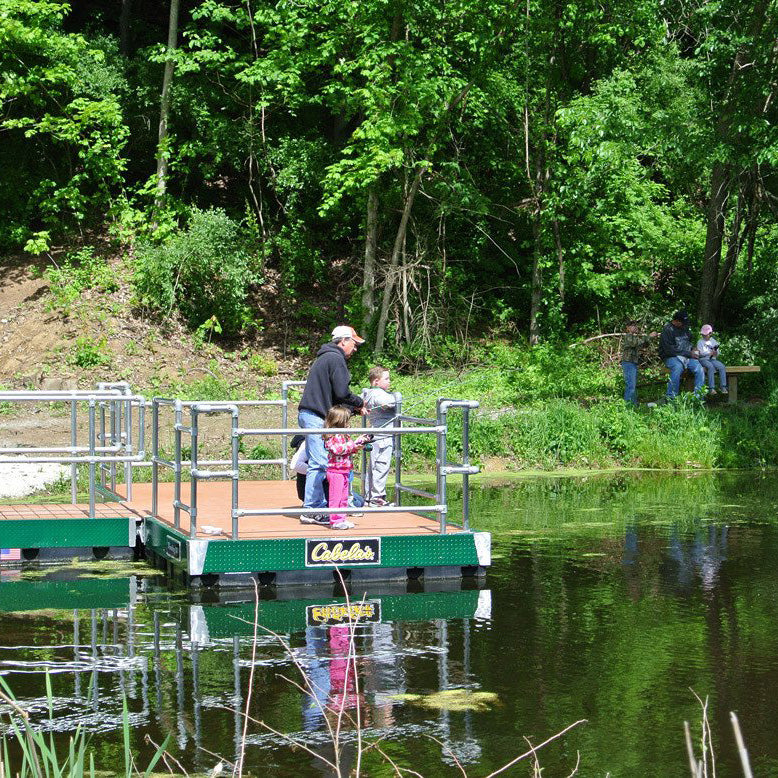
x=380, y=405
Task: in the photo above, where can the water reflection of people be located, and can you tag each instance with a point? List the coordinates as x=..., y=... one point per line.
x=703, y=556
x=709, y=554
x=318, y=677
x=332, y=670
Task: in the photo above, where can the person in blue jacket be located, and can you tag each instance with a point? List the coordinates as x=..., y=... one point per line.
x=327, y=385
x=675, y=349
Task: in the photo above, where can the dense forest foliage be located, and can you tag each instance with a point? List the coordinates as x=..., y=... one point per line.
x=527, y=168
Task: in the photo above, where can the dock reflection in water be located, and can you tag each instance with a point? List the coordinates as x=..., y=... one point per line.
x=184, y=666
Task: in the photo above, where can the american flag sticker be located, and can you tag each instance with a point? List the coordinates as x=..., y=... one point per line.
x=10, y=554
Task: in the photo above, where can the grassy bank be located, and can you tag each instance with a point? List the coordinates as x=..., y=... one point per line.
x=548, y=408
x=564, y=434
x=558, y=408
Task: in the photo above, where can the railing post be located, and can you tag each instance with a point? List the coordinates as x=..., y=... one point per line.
x=92, y=432
x=466, y=463
x=102, y=438
x=118, y=437
x=74, y=444
x=179, y=420
x=114, y=440
x=192, y=477
x=441, y=462
x=235, y=458
x=398, y=409
x=128, y=448
x=154, y=455
x=285, y=425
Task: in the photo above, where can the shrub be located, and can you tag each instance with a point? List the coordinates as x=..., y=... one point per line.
x=89, y=353
x=204, y=272
x=81, y=270
x=263, y=365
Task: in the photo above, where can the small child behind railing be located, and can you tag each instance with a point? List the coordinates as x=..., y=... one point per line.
x=381, y=407
x=340, y=448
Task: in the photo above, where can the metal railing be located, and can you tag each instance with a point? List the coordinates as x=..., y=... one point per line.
x=193, y=462
x=107, y=448
x=116, y=439
x=198, y=469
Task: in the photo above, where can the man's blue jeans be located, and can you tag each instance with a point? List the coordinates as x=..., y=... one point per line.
x=677, y=367
x=317, y=461
x=630, y=382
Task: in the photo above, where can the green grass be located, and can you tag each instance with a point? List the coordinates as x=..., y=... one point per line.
x=41, y=757
x=550, y=408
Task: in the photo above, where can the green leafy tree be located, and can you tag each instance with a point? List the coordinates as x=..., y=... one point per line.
x=62, y=123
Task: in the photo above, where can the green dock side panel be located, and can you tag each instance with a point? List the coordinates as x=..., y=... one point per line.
x=77, y=594
x=166, y=541
x=289, y=553
x=69, y=532
x=224, y=621
x=276, y=554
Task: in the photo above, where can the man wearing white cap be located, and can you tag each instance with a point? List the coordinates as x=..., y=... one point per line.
x=327, y=385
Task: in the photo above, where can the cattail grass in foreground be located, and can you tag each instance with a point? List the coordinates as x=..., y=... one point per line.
x=39, y=756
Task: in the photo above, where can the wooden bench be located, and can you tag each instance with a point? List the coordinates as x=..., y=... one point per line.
x=733, y=371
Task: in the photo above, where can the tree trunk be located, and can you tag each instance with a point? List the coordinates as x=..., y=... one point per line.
x=714, y=237
x=394, y=261
x=164, y=110
x=734, y=245
x=721, y=175
x=560, y=255
x=371, y=242
x=537, y=284
x=124, y=28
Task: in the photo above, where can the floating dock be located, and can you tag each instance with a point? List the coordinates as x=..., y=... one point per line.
x=231, y=528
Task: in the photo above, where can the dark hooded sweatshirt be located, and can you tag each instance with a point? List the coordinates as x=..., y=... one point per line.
x=327, y=383
x=675, y=342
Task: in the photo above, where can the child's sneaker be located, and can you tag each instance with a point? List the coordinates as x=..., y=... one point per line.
x=724, y=390
x=380, y=502
x=712, y=392
x=342, y=524
x=315, y=518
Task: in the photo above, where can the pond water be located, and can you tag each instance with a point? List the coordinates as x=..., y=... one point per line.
x=612, y=598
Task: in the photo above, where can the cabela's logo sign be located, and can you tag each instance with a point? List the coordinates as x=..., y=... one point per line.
x=351, y=552
x=341, y=613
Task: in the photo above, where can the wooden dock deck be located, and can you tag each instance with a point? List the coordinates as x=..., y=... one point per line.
x=276, y=547
x=213, y=510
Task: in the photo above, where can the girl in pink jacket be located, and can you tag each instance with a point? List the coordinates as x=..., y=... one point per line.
x=340, y=449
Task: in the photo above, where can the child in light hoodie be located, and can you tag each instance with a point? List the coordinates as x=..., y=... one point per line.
x=708, y=350
x=340, y=448
x=381, y=407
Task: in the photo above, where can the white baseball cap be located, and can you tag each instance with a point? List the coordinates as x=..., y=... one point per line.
x=342, y=331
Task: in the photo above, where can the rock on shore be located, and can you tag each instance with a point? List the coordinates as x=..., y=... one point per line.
x=24, y=478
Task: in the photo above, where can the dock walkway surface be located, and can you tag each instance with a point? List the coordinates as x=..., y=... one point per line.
x=213, y=501
x=213, y=510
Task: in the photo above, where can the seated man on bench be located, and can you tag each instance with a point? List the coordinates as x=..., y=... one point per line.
x=675, y=349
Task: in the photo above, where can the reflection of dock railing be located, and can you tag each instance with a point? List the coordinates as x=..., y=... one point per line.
x=110, y=440
x=200, y=470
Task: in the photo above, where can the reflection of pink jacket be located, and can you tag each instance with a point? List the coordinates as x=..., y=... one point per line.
x=342, y=681
x=341, y=448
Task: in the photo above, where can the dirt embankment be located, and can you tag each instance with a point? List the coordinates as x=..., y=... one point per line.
x=102, y=337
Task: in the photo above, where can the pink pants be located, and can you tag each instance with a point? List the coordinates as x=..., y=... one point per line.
x=338, y=483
